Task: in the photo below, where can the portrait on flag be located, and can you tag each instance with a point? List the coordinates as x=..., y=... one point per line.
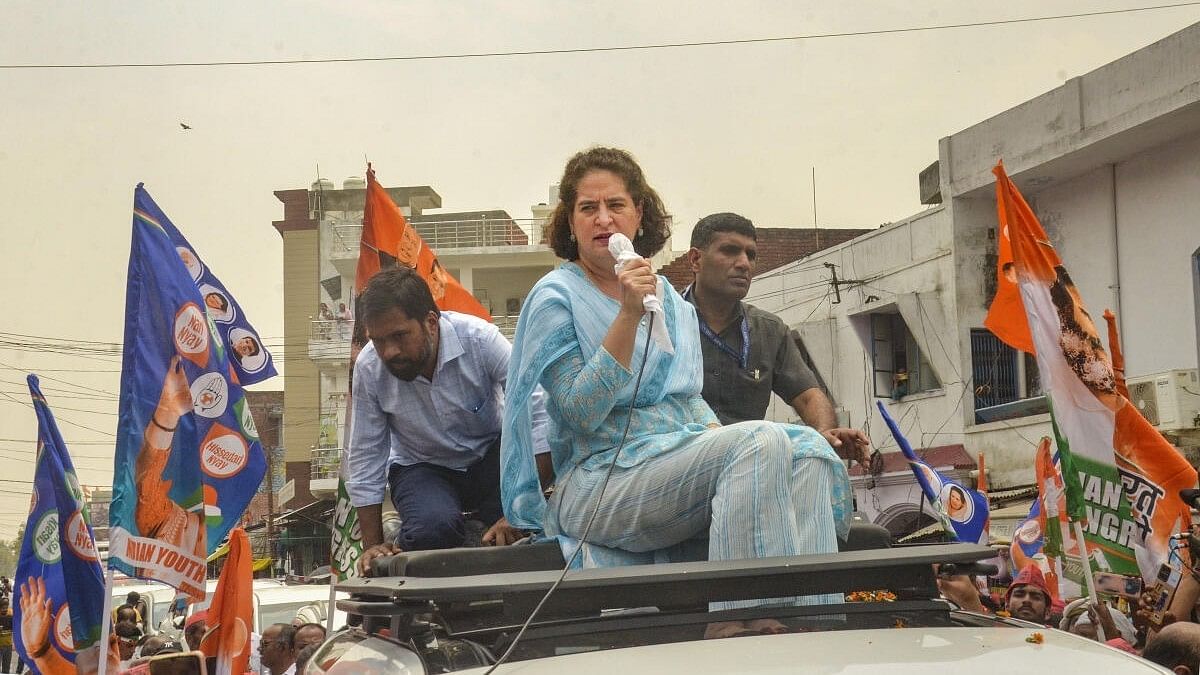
x=962, y=511
x=188, y=458
x=1120, y=476
x=59, y=584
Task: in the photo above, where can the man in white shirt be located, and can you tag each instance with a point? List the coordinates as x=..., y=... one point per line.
x=428, y=400
x=275, y=649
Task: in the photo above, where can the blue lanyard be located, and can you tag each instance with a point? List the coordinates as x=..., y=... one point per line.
x=744, y=357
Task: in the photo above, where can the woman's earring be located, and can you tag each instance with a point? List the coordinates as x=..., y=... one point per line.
x=571, y=237
x=641, y=231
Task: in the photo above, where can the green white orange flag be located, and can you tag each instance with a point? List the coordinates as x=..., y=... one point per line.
x=1122, y=478
x=230, y=618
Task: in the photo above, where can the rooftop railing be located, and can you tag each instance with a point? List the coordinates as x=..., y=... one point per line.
x=453, y=234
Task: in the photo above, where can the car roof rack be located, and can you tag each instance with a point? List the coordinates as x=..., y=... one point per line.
x=907, y=572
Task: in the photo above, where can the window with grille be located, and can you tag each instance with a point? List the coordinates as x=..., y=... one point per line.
x=1000, y=374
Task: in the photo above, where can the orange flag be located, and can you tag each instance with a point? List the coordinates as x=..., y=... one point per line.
x=388, y=240
x=230, y=616
x=1122, y=478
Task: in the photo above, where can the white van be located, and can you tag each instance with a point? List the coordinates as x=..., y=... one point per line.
x=274, y=602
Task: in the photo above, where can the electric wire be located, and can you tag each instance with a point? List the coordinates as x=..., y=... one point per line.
x=592, y=50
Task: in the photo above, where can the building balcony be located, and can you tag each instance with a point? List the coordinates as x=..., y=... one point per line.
x=329, y=341
x=323, y=477
x=446, y=236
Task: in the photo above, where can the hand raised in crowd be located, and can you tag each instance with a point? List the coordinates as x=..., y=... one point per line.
x=960, y=590
x=502, y=534
x=36, y=617
x=373, y=552
x=637, y=281
x=850, y=443
x=1100, y=615
x=1145, y=607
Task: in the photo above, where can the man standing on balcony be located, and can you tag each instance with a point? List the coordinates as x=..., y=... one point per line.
x=343, y=321
x=427, y=405
x=749, y=353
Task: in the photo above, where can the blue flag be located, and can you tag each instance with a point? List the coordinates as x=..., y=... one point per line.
x=962, y=511
x=59, y=583
x=188, y=458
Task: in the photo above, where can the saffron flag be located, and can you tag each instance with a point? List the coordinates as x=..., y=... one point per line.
x=230, y=616
x=1121, y=477
x=188, y=459
x=962, y=511
x=59, y=597
x=389, y=240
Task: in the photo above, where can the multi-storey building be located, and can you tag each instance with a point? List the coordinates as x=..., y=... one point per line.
x=495, y=256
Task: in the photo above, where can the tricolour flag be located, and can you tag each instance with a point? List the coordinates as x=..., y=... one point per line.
x=962, y=511
x=1044, y=537
x=231, y=615
x=188, y=458
x=59, y=582
x=1122, y=478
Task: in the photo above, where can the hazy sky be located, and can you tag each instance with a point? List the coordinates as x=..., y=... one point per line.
x=731, y=127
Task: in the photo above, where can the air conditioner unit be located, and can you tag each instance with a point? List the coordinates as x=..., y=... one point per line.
x=1170, y=400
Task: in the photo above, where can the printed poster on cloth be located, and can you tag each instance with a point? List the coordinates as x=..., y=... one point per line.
x=188, y=458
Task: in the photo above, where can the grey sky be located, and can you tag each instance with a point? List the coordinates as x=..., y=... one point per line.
x=716, y=128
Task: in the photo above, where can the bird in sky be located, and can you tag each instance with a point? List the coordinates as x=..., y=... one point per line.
x=185, y=127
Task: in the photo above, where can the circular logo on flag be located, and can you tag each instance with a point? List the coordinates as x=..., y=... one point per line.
x=223, y=456
x=217, y=304
x=247, y=350
x=191, y=330
x=79, y=540
x=210, y=395
x=45, y=538
x=190, y=261
x=62, y=629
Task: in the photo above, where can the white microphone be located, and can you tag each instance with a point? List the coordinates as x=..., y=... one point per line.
x=622, y=251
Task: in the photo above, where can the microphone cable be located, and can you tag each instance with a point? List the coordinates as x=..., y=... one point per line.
x=595, y=510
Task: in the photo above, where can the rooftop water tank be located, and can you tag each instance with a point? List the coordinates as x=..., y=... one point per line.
x=354, y=183
x=322, y=185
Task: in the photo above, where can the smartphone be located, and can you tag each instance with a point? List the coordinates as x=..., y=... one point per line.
x=1118, y=584
x=1163, y=590
x=188, y=663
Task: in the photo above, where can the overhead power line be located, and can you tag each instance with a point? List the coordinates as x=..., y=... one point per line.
x=589, y=50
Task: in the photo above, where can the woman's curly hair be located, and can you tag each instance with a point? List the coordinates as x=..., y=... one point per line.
x=656, y=224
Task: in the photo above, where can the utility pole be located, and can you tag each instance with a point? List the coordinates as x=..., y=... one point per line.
x=816, y=227
x=271, y=511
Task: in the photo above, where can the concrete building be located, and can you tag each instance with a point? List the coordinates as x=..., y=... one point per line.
x=1110, y=162
x=495, y=256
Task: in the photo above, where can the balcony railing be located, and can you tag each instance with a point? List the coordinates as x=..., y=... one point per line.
x=322, y=329
x=452, y=234
x=325, y=463
x=507, y=325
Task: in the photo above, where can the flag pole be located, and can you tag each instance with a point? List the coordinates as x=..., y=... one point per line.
x=1088, y=580
x=106, y=623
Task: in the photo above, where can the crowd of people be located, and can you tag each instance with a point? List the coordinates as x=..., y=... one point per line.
x=1170, y=641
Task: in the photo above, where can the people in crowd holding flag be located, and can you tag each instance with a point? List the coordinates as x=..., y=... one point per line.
x=749, y=353
x=754, y=488
x=428, y=399
x=1028, y=597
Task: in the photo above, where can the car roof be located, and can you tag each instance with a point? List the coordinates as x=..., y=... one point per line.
x=902, y=651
